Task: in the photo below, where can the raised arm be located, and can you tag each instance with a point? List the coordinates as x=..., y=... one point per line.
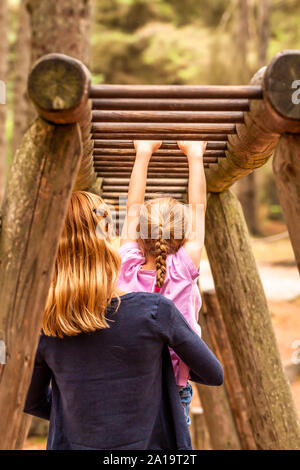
x=197, y=197
x=137, y=187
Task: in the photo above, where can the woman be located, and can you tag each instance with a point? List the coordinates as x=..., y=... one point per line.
x=105, y=351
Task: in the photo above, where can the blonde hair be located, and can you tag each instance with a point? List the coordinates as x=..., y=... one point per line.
x=164, y=225
x=86, y=270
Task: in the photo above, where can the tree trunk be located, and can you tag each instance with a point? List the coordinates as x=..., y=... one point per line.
x=263, y=31
x=21, y=70
x=240, y=293
x=43, y=172
x=246, y=190
x=3, y=77
x=286, y=168
x=62, y=27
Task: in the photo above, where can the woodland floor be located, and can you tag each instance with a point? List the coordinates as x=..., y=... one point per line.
x=281, y=281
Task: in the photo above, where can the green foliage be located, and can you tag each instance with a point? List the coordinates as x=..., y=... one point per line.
x=181, y=42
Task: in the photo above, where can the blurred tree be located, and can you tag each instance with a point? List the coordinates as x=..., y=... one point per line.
x=62, y=26
x=21, y=69
x=246, y=187
x=263, y=23
x=3, y=77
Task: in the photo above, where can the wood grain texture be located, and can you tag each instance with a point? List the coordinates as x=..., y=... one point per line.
x=256, y=139
x=128, y=145
x=43, y=171
x=59, y=85
x=240, y=293
x=168, y=116
x=159, y=136
x=216, y=406
x=213, y=325
x=179, y=104
x=286, y=169
x=176, y=91
x=163, y=128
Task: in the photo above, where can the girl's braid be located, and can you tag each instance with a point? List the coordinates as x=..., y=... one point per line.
x=160, y=260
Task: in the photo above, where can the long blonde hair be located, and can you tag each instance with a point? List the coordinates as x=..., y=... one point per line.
x=86, y=270
x=163, y=226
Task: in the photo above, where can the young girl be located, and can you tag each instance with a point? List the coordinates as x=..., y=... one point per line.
x=161, y=244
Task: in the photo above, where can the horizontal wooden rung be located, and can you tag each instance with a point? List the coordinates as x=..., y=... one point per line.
x=176, y=91
x=162, y=154
x=149, y=189
x=146, y=127
x=128, y=145
x=160, y=136
x=168, y=104
x=168, y=116
x=150, y=181
x=156, y=162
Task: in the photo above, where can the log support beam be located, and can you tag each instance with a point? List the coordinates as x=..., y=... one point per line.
x=240, y=293
x=256, y=139
x=39, y=188
x=286, y=169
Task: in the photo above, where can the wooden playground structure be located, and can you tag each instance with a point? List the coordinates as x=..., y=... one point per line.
x=83, y=139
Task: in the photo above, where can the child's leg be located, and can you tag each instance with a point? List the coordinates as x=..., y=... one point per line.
x=186, y=395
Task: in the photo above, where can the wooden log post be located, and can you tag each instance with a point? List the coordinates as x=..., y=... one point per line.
x=39, y=188
x=216, y=406
x=256, y=139
x=240, y=293
x=286, y=169
x=59, y=87
x=214, y=329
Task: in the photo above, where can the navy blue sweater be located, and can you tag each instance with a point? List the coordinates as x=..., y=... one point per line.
x=115, y=388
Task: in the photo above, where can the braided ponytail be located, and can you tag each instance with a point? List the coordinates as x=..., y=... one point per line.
x=160, y=260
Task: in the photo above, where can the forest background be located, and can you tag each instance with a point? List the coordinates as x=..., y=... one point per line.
x=155, y=42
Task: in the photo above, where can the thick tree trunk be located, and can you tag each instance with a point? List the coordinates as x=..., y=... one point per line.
x=240, y=293
x=21, y=70
x=286, y=168
x=43, y=171
x=3, y=77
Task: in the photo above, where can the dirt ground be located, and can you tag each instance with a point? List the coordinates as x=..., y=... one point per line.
x=285, y=312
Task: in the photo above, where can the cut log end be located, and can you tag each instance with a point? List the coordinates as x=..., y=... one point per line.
x=282, y=84
x=59, y=85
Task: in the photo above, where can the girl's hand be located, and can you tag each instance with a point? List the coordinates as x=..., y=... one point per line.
x=192, y=149
x=146, y=147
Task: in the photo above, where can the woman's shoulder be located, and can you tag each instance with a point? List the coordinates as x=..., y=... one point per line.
x=148, y=301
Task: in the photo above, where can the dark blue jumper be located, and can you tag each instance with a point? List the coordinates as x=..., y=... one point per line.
x=115, y=388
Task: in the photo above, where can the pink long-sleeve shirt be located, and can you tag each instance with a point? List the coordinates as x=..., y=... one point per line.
x=180, y=286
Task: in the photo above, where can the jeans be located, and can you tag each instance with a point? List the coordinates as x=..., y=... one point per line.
x=186, y=395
